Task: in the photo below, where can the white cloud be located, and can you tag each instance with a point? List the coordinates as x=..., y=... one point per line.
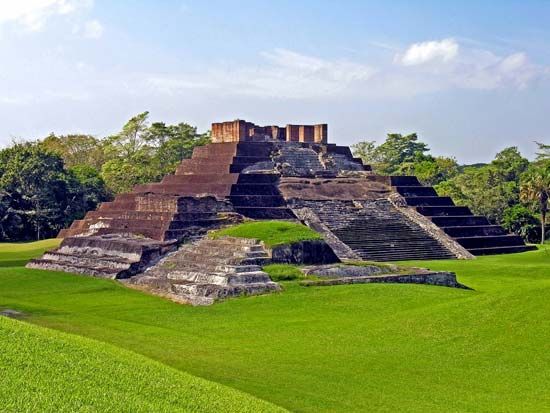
x=33, y=14
x=420, y=53
x=284, y=74
x=93, y=29
x=287, y=74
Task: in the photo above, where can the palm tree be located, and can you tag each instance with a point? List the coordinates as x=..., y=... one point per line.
x=535, y=189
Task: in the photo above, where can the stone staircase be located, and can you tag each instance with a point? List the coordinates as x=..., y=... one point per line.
x=376, y=230
x=208, y=270
x=473, y=232
x=105, y=256
x=257, y=196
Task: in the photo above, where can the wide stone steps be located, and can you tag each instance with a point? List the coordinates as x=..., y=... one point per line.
x=201, y=179
x=431, y=211
x=268, y=201
x=257, y=178
x=111, y=256
x=501, y=250
x=409, y=191
x=274, y=213
x=254, y=189
x=186, y=189
x=429, y=201
x=460, y=221
x=472, y=232
x=97, y=269
x=112, y=262
x=377, y=231
x=210, y=269
x=489, y=241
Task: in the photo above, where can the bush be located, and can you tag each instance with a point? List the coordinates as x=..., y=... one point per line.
x=519, y=220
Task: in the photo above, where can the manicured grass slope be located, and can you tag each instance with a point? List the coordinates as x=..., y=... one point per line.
x=376, y=348
x=42, y=370
x=270, y=232
x=17, y=254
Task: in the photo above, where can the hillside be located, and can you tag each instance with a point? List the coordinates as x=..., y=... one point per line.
x=48, y=371
x=376, y=348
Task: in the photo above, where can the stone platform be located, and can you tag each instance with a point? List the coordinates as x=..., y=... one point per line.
x=208, y=270
x=341, y=274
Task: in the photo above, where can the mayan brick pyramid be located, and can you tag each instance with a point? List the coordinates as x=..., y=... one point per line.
x=282, y=173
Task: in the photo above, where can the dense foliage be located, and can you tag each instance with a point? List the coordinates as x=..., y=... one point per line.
x=510, y=190
x=48, y=183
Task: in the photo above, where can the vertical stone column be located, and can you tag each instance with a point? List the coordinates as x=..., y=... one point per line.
x=320, y=134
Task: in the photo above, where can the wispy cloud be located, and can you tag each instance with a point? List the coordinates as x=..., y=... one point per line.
x=421, y=68
x=32, y=15
x=282, y=74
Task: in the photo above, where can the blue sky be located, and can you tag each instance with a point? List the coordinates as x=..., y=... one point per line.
x=470, y=77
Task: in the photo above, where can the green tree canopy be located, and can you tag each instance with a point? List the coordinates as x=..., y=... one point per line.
x=535, y=191
x=76, y=149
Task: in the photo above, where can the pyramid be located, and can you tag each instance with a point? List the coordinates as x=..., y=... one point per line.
x=276, y=173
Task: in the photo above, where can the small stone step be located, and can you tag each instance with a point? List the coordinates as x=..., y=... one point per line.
x=53, y=265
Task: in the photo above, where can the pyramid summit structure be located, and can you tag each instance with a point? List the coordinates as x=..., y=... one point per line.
x=276, y=173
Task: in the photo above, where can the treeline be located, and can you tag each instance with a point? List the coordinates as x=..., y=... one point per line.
x=48, y=183
x=510, y=190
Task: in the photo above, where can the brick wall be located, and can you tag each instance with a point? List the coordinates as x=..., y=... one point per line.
x=240, y=130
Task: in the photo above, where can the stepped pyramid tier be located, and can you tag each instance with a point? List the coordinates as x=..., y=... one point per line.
x=207, y=270
x=106, y=256
x=288, y=173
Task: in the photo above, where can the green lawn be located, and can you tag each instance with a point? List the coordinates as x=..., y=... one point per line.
x=272, y=233
x=375, y=348
x=17, y=254
x=42, y=370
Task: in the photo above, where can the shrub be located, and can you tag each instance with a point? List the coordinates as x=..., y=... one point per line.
x=519, y=220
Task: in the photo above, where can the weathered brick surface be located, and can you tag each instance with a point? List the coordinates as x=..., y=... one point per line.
x=242, y=131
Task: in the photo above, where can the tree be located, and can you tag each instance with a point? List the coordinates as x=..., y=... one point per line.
x=38, y=196
x=91, y=184
x=483, y=189
x=76, y=149
x=430, y=171
x=535, y=191
x=510, y=163
x=172, y=143
x=35, y=182
x=544, y=152
x=121, y=175
x=396, y=150
x=10, y=222
x=130, y=141
x=366, y=150
x=142, y=153
x=519, y=220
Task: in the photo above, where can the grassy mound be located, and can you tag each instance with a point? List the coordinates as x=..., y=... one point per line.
x=17, y=254
x=272, y=233
x=353, y=348
x=48, y=371
x=283, y=272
